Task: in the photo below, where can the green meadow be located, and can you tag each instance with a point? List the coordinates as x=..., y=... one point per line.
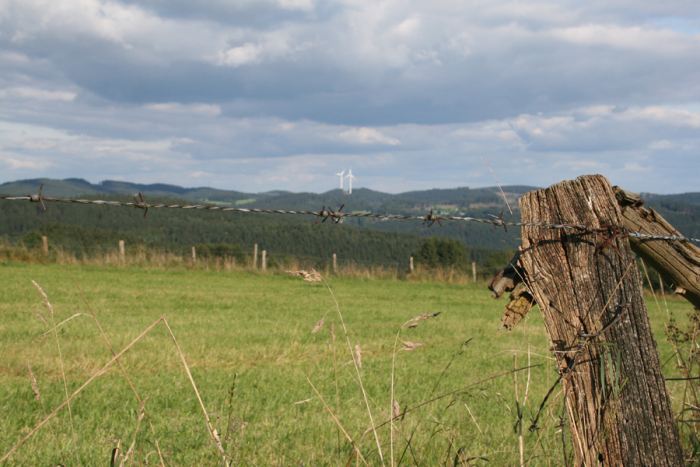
x=276, y=392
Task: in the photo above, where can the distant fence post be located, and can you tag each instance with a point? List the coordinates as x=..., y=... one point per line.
x=194, y=254
x=410, y=264
x=264, y=260
x=335, y=263
x=255, y=256
x=474, y=271
x=122, y=250
x=45, y=245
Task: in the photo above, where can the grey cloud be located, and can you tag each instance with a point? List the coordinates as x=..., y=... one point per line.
x=258, y=96
x=248, y=14
x=335, y=77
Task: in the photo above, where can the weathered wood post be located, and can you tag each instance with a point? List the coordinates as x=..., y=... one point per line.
x=264, y=260
x=194, y=254
x=122, y=251
x=474, y=271
x=410, y=264
x=335, y=263
x=588, y=288
x=45, y=245
x=677, y=262
x=255, y=256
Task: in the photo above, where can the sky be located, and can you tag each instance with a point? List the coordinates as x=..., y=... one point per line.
x=257, y=95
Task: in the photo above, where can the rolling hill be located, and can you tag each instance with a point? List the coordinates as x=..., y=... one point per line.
x=391, y=241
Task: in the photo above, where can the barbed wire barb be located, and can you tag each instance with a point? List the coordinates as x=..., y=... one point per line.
x=39, y=198
x=140, y=203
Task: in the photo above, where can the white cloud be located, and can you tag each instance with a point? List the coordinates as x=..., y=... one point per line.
x=637, y=38
x=366, y=135
x=38, y=94
x=303, y=5
x=211, y=110
x=407, y=27
x=23, y=163
x=245, y=54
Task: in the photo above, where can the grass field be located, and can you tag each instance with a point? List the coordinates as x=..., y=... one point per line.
x=249, y=343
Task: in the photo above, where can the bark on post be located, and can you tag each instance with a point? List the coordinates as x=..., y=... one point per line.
x=677, y=262
x=45, y=245
x=588, y=288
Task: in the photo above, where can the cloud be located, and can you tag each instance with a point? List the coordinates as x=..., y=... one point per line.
x=241, y=55
x=407, y=93
x=366, y=135
x=212, y=110
x=36, y=93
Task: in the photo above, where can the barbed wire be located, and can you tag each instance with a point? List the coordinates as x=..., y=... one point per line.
x=338, y=215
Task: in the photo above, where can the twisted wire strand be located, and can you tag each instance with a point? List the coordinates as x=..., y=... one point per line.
x=338, y=215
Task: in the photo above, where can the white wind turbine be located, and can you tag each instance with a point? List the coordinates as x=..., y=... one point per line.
x=341, y=174
x=350, y=178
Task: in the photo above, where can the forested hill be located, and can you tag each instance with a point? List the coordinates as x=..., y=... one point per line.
x=363, y=239
x=450, y=200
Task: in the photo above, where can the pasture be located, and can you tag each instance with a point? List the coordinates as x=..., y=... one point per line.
x=248, y=340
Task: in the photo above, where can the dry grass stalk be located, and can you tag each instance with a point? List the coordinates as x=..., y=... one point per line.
x=62, y=323
x=410, y=324
x=392, y=400
x=318, y=326
x=129, y=452
x=116, y=454
x=75, y=393
x=473, y=418
x=41, y=318
x=357, y=372
x=409, y=346
x=358, y=355
x=122, y=370
x=521, y=405
x=395, y=409
x=210, y=427
x=337, y=422
x=452, y=393
x=331, y=330
x=102, y=371
x=414, y=322
x=308, y=276
x=34, y=383
x=49, y=307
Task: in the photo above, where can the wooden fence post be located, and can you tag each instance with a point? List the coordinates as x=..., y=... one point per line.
x=264, y=260
x=410, y=264
x=45, y=245
x=474, y=271
x=677, y=262
x=255, y=256
x=122, y=250
x=335, y=263
x=589, y=291
x=194, y=254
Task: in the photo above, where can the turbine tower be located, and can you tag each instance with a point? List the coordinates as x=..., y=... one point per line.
x=350, y=178
x=341, y=174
